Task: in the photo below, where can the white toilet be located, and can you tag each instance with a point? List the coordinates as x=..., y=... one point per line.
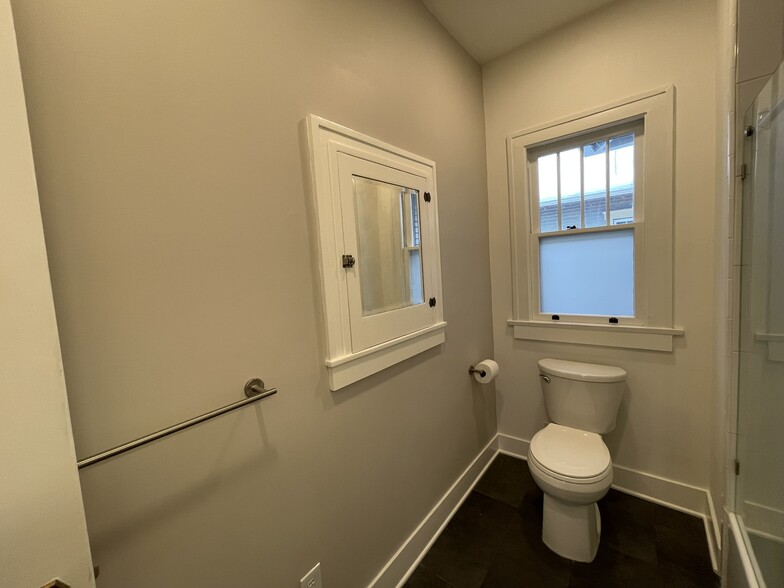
x=568, y=458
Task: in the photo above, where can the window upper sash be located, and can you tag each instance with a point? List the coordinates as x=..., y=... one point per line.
x=575, y=182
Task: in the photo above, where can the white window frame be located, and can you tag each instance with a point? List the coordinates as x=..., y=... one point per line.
x=652, y=326
x=358, y=344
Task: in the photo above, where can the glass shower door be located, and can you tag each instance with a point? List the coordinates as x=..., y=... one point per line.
x=759, y=496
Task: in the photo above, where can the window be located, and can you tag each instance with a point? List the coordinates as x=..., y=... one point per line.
x=591, y=204
x=377, y=234
x=584, y=195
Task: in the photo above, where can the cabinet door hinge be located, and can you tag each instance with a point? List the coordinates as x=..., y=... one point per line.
x=348, y=261
x=428, y=198
x=432, y=302
x=743, y=171
x=737, y=468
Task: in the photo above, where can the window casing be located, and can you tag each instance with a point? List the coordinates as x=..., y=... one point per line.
x=649, y=226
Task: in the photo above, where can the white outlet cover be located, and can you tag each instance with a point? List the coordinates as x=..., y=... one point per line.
x=312, y=579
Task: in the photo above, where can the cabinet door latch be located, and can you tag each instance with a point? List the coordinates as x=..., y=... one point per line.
x=348, y=261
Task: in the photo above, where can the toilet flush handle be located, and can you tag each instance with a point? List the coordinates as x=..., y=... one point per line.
x=544, y=378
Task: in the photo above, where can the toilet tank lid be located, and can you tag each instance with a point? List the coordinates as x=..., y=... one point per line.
x=585, y=372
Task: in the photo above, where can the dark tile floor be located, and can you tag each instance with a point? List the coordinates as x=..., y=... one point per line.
x=495, y=541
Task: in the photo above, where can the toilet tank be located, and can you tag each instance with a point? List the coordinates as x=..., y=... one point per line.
x=582, y=395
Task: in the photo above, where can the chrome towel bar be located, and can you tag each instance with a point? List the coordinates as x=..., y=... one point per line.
x=254, y=390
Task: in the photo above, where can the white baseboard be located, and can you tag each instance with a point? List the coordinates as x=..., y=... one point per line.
x=513, y=446
x=713, y=531
x=407, y=558
x=683, y=497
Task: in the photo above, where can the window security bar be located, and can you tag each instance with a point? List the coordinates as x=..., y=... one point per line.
x=254, y=390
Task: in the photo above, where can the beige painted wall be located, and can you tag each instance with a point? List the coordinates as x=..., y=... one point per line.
x=625, y=49
x=166, y=141
x=43, y=534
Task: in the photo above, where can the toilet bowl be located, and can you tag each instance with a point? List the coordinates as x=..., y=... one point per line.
x=574, y=470
x=568, y=458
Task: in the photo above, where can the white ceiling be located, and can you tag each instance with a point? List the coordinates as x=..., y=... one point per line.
x=489, y=28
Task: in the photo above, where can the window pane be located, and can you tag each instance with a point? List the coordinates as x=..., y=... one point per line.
x=571, y=196
x=547, y=172
x=415, y=271
x=588, y=274
x=415, y=240
x=409, y=211
x=622, y=180
x=595, y=173
x=389, y=276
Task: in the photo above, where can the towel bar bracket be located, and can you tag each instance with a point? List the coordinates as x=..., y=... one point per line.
x=254, y=387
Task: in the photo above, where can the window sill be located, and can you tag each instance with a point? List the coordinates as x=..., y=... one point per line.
x=353, y=367
x=628, y=337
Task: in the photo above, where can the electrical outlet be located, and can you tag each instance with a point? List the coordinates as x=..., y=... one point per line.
x=312, y=579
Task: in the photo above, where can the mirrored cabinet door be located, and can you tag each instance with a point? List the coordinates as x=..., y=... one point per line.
x=389, y=280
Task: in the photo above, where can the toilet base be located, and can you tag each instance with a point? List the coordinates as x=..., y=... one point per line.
x=571, y=530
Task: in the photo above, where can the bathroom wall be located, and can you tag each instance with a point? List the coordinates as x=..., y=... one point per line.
x=168, y=154
x=624, y=49
x=44, y=534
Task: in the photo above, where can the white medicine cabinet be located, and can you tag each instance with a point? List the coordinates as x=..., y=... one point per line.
x=377, y=237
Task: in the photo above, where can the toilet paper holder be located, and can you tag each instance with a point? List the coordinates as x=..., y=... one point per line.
x=472, y=371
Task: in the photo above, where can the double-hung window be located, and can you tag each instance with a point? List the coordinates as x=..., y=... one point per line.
x=586, y=223
x=592, y=210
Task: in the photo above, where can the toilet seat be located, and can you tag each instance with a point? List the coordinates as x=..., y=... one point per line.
x=570, y=455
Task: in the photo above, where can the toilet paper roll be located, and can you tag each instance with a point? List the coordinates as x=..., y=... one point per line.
x=487, y=371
